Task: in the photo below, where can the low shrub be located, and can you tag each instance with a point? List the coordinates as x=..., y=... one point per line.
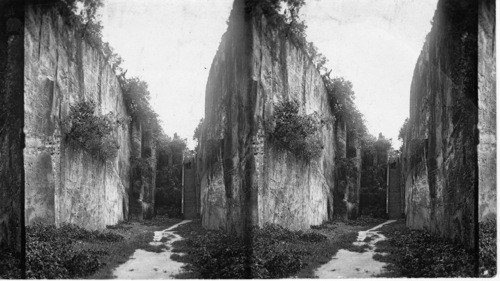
x=91, y=132
x=418, y=253
x=10, y=264
x=487, y=248
x=295, y=132
x=271, y=253
x=52, y=253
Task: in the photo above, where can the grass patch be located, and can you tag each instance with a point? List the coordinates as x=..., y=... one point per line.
x=359, y=249
x=417, y=253
x=120, y=226
x=152, y=248
x=368, y=239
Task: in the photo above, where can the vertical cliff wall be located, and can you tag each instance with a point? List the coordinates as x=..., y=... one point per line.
x=440, y=153
x=64, y=183
x=245, y=178
x=11, y=124
x=487, y=110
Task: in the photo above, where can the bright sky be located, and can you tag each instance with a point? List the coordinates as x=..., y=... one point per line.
x=171, y=45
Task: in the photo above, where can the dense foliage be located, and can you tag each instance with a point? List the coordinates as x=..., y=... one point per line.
x=92, y=132
x=54, y=253
x=137, y=99
x=418, y=253
x=374, y=176
x=341, y=101
x=269, y=254
x=296, y=132
x=488, y=248
x=169, y=175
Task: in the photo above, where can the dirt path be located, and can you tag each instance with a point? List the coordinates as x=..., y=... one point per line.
x=153, y=265
x=347, y=264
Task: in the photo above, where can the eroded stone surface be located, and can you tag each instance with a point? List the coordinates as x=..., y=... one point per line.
x=11, y=124
x=487, y=110
x=64, y=183
x=440, y=154
x=245, y=179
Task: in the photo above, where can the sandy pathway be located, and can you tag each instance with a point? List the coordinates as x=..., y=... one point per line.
x=150, y=265
x=347, y=264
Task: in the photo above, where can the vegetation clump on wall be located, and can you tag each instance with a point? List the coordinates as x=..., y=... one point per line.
x=92, y=132
x=295, y=132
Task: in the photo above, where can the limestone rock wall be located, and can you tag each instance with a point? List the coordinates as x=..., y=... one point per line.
x=487, y=110
x=440, y=155
x=227, y=182
x=11, y=124
x=291, y=193
x=245, y=179
x=64, y=184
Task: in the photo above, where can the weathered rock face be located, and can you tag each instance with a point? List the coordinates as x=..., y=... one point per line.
x=64, y=183
x=440, y=155
x=143, y=173
x=11, y=124
x=487, y=110
x=245, y=179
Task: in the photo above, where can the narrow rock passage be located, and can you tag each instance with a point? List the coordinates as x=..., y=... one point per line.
x=150, y=265
x=347, y=264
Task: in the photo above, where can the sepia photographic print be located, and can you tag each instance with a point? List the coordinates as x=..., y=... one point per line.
x=247, y=139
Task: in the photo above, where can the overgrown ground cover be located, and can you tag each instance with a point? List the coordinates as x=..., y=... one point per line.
x=488, y=248
x=10, y=265
x=417, y=253
x=73, y=252
x=273, y=252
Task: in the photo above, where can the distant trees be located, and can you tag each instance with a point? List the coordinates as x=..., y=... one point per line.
x=169, y=174
x=375, y=153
